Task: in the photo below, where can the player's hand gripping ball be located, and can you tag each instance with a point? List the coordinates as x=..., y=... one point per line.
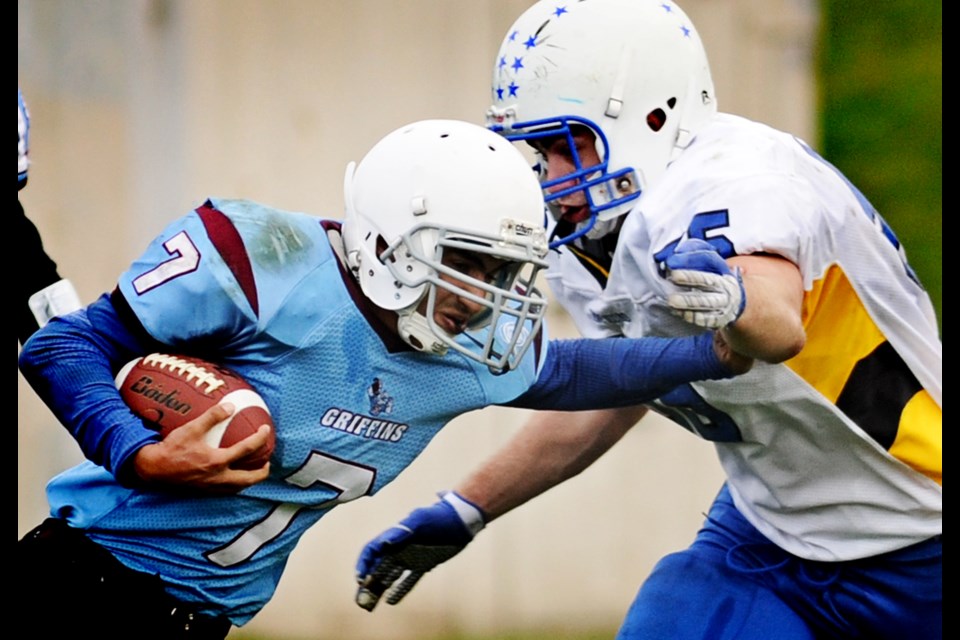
x=169, y=391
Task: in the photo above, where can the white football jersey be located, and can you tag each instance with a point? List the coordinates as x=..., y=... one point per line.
x=837, y=453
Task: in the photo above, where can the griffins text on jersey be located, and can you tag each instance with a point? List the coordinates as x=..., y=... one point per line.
x=363, y=426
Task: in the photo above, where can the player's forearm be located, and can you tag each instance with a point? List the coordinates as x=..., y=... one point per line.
x=70, y=364
x=771, y=327
x=598, y=374
x=551, y=448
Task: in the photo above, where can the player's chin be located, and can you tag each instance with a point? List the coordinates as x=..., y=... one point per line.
x=453, y=325
x=575, y=215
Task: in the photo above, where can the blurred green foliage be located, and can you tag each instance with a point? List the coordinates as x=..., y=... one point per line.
x=881, y=109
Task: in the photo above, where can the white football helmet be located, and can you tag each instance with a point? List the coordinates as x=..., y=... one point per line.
x=439, y=184
x=634, y=71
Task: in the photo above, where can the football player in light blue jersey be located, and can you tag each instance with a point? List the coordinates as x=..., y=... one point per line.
x=666, y=214
x=364, y=338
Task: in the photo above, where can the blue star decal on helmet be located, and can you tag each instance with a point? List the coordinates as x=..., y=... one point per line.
x=686, y=31
x=509, y=83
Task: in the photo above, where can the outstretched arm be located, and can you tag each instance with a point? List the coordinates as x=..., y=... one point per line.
x=600, y=383
x=551, y=448
x=584, y=374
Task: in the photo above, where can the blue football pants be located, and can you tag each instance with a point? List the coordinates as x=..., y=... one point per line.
x=732, y=583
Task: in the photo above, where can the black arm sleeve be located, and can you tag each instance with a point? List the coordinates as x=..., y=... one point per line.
x=36, y=271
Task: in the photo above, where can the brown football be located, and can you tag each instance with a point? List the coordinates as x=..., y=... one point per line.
x=168, y=391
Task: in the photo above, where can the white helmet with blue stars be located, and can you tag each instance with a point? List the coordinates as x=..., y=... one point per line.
x=633, y=71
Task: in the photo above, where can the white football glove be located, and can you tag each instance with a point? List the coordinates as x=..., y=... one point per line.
x=712, y=294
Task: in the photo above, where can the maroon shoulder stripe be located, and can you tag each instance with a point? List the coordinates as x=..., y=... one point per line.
x=229, y=244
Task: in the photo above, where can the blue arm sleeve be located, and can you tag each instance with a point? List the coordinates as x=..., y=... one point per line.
x=71, y=364
x=618, y=372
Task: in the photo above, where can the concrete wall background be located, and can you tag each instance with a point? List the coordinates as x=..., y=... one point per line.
x=143, y=108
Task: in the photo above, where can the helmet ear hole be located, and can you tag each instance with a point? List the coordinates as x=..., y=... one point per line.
x=415, y=342
x=656, y=119
x=381, y=249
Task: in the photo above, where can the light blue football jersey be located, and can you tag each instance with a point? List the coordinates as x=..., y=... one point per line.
x=261, y=291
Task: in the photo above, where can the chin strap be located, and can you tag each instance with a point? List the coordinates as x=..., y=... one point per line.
x=602, y=228
x=411, y=325
x=415, y=331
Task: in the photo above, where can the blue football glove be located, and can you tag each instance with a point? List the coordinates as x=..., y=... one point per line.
x=712, y=295
x=394, y=561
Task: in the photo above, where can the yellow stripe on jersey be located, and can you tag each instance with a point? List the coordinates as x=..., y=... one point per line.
x=848, y=360
x=839, y=331
x=922, y=449
x=585, y=257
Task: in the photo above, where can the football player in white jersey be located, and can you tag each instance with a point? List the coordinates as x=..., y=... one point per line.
x=665, y=214
x=43, y=293
x=364, y=338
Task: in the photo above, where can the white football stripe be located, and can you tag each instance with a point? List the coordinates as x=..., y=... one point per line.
x=241, y=399
x=124, y=372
